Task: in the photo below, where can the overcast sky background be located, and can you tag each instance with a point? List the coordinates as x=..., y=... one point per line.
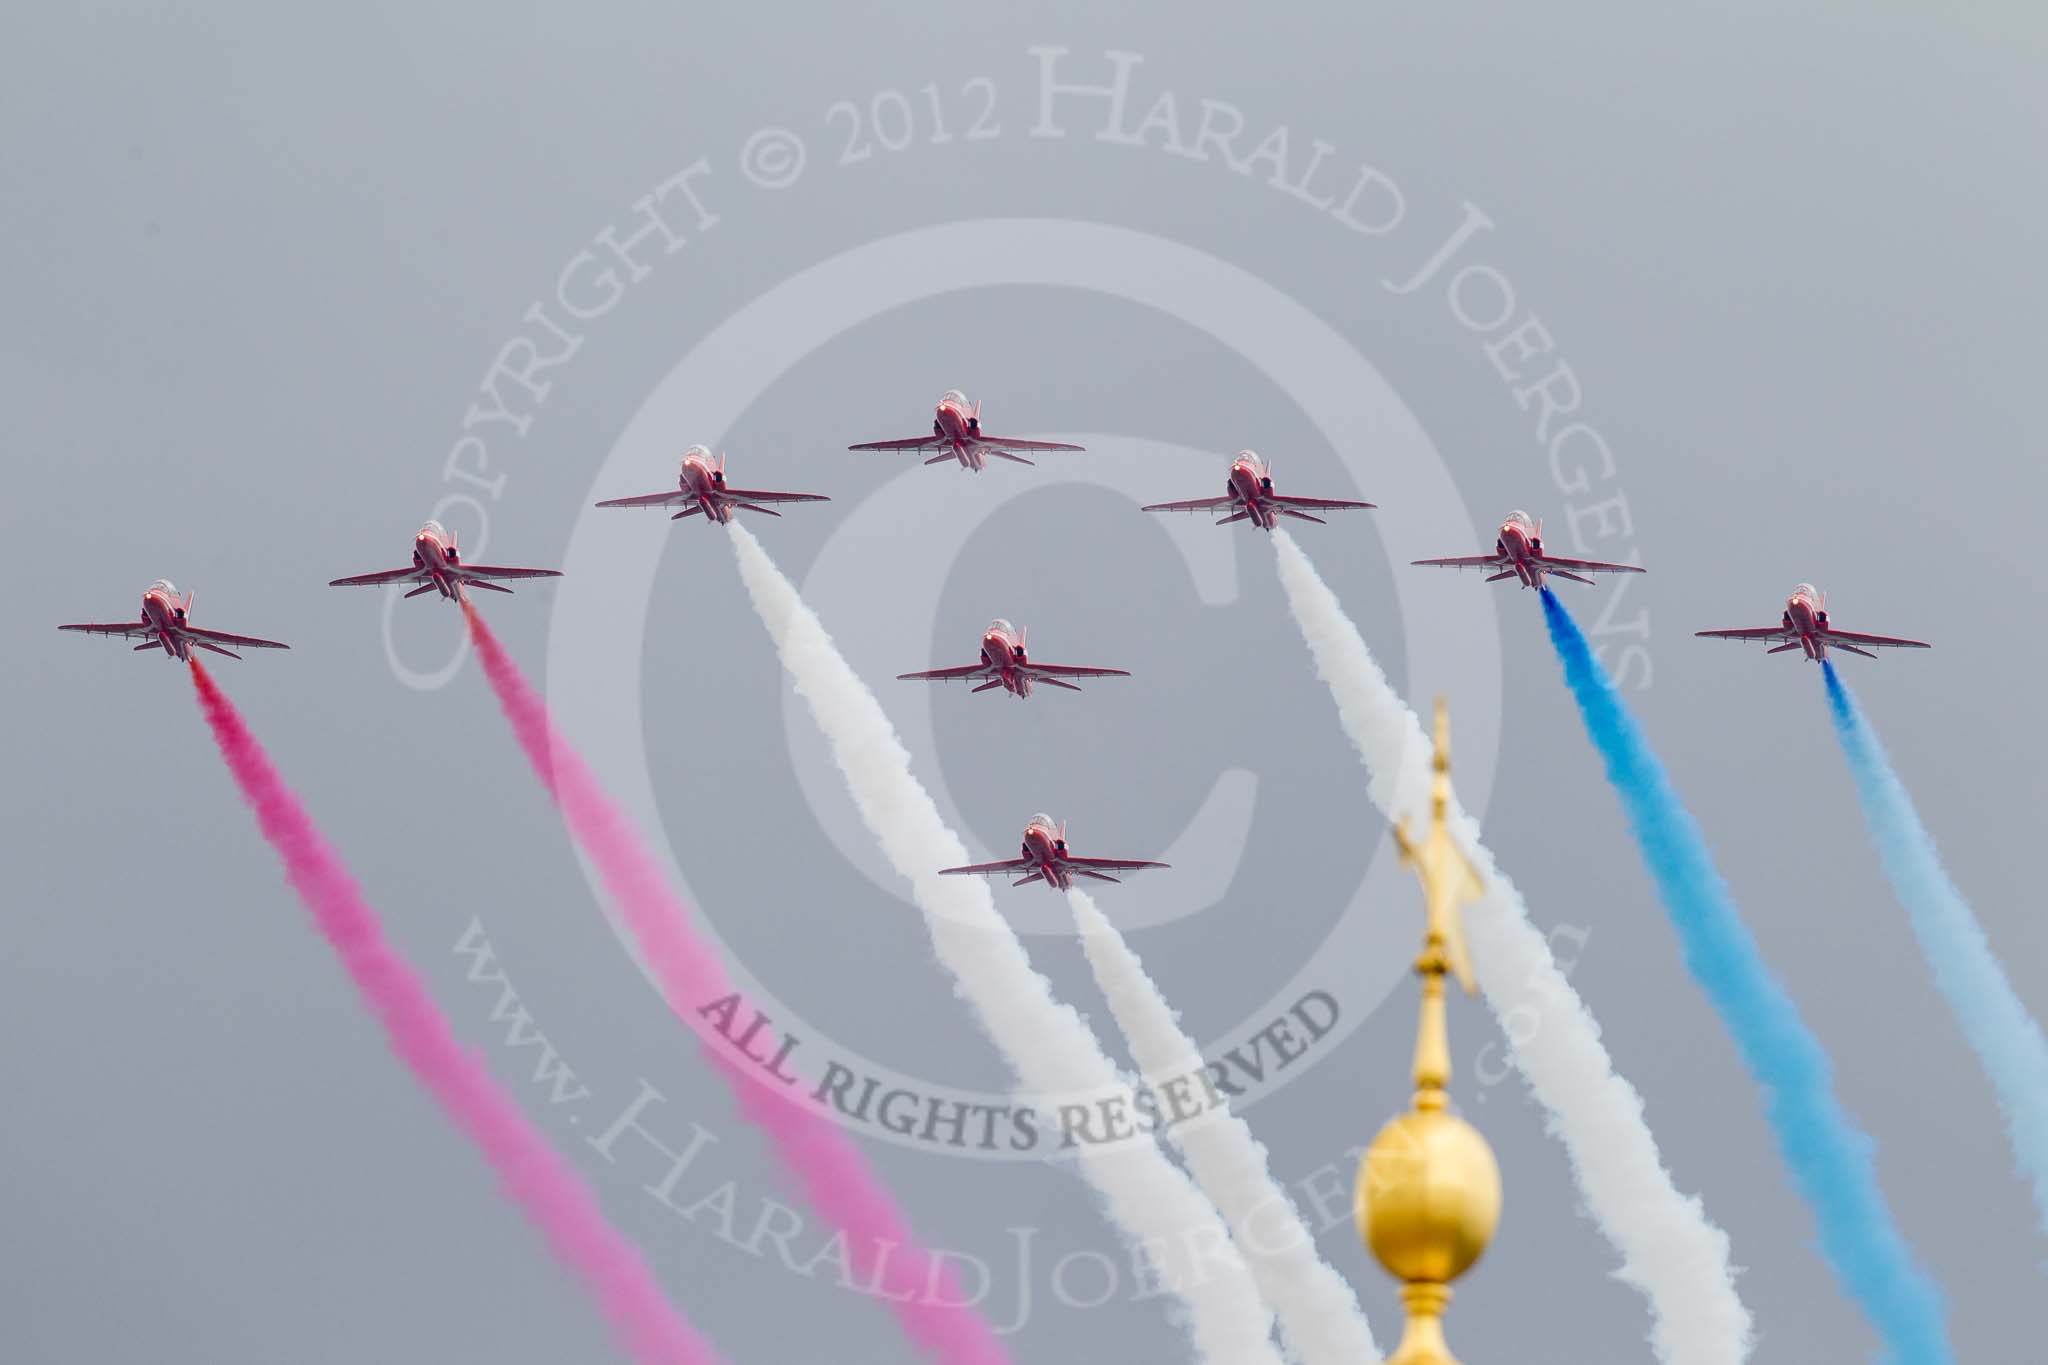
x=264, y=257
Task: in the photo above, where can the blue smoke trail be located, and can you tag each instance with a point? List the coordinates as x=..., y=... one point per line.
x=1968, y=974
x=1830, y=1159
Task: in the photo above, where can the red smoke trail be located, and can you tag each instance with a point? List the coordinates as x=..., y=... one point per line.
x=532, y=1172
x=882, y=1251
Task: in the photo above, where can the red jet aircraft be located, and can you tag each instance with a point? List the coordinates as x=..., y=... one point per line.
x=437, y=566
x=1046, y=859
x=163, y=626
x=1805, y=626
x=700, y=489
x=1005, y=665
x=956, y=435
x=1518, y=553
x=1248, y=492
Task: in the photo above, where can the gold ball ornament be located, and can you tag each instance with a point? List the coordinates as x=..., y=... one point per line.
x=1428, y=1196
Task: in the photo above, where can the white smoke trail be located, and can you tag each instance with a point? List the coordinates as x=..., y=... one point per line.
x=1320, y=1319
x=1670, y=1250
x=1047, y=1044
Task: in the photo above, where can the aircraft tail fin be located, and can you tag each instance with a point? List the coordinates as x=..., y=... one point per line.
x=1008, y=456
x=757, y=507
x=1782, y=648
x=217, y=649
x=1837, y=644
x=992, y=682
x=1560, y=573
x=1495, y=578
x=427, y=586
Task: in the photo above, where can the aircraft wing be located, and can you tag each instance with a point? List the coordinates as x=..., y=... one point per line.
x=756, y=495
x=1874, y=641
x=127, y=630
x=1191, y=505
x=907, y=443
x=1001, y=869
x=1337, y=504
x=1074, y=671
x=370, y=580
x=1755, y=633
x=1012, y=443
x=1586, y=565
x=671, y=497
x=1111, y=864
x=500, y=571
x=966, y=672
x=1466, y=562
x=221, y=637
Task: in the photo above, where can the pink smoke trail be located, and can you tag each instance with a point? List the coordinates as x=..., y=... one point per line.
x=882, y=1250
x=532, y=1172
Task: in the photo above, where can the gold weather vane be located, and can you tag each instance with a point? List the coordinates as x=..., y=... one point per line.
x=1428, y=1196
x=1448, y=878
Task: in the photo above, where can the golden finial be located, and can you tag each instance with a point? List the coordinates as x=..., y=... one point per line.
x=1428, y=1195
x=1448, y=877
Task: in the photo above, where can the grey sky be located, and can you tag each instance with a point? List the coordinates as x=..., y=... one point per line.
x=263, y=259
